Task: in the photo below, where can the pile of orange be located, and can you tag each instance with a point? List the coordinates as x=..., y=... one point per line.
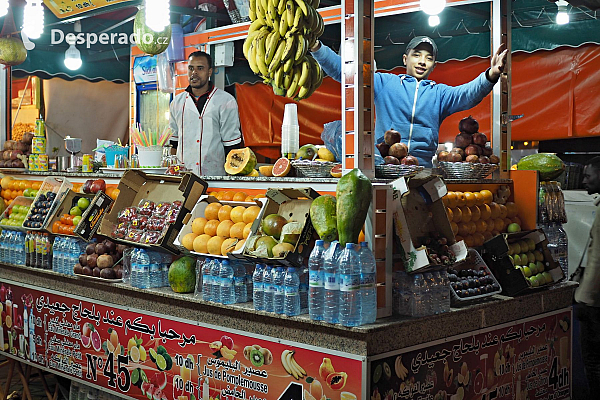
x=232, y=195
x=112, y=192
x=476, y=218
x=64, y=226
x=223, y=229
x=12, y=188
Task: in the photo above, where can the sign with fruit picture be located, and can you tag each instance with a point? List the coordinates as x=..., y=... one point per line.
x=527, y=359
x=148, y=356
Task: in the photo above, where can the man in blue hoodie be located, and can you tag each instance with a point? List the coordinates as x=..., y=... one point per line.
x=410, y=103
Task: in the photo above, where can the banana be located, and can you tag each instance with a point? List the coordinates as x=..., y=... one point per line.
x=290, y=43
x=260, y=13
x=264, y=4
x=315, y=4
x=301, y=49
x=278, y=77
x=287, y=79
x=252, y=10
x=321, y=28
x=260, y=54
x=252, y=58
x=294, y=85
x=312, y=19
x=281, y=7
x=303, y=7
x=306, y=69
x=290, y=10
x=401, y=371
x=255, y=26
x=298, y=367
x=297, y=25
x=284, y=361
x=290, y=361
x=288, y=65
x=283, y=24
x=271, y=46
x=291, y=365
x=274, y=64
x=248, y=42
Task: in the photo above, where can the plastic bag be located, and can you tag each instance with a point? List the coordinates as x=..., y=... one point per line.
x=164, y=74
x=332, y=137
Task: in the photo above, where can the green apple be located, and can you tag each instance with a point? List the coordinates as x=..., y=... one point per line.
x=547, y=277
x=517, y=259
x=76, y=220
x=534, y=281
x=527, y=272
x=541, y=279
x=540, y=266
x=4, y=221
x=524, y=259
x=75, y=211
x=83, y=203
x=531, y=244
x=513, y=228
x=530, y=257
x=538, y=255
x=516, y=248
x=533, y=268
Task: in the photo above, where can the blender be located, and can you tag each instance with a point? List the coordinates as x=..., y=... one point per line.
x=73, y=146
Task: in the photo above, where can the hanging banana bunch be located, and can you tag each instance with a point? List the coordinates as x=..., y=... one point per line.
x=277, y=45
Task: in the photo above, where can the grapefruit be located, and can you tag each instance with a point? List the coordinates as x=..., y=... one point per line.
x=85, y=341
x=266, y=170
x=96, y=341
x=336, y=171
x=272, y=225
x=282, y=167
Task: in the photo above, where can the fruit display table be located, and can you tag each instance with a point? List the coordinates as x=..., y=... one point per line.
x=185, y=346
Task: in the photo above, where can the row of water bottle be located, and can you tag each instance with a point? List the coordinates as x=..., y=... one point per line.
x=420, y=295
x=558, y=244
x=81, y=391
x=224, y=281
x=342, y=284
x=65, y=253
x=12, y=247
x=148, y=269
x=280, y=290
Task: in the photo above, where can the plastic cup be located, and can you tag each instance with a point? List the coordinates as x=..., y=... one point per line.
x=290, y=114
x=150, y=156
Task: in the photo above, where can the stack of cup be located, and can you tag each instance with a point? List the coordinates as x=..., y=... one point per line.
x=290, y=131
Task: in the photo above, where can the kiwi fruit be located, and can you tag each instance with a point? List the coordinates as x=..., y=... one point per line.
x=267, y=355
x=257, y=358
x=377, y=373
x=387, y=370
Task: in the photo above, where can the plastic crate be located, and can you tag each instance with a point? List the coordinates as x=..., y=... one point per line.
x=473, y=261
x=51, y=184
x=18, y=201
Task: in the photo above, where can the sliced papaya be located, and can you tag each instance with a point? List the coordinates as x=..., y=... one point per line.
x=240, y=161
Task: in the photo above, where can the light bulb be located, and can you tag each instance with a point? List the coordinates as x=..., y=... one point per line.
x=432, y=7
x=72, y=58
x=434, y=20
x=3, y=7
x=562, y=17
x=33, y=19
x=157, y=14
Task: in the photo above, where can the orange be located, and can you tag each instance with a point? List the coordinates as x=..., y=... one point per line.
x=200, y=243
x=472, y=227
x=478, y=238
x=228, y=246
x=13, y=184
x=481, y=225
x=115, y=194
x=466, y=213
x=461, y=199
x=224, y=228
x=213, y=246
x=240, y=196
x=251, y=213
x=478, y=198
x=499, y=224
x=488, y=196
x=503, y=210
x=454, y=227
x=469, y=241
x=219, y=195
x=247, y=230
x=240, y=244
x=187, y=240
x=470, y=199
x=228, y=195
x=249, y=199
x=213, y=193
x=36, y=185
x=237, y=230
x=212, y=211
x=237, y=214
x=211, y=227
x=517, y=220
x=463, y=229
x=491, y=226
x=24, y=185
x=224, y=213
x=198, y=225
x=108, y=191
x=511, y=209
x=475, y=213
x=449, y=213
x=495, y=207
x=55, y=226
x=452, y=199
x=456, y=214
x=487, y=235
x=486, y=212
x=445, y=200
x=19, y=193
x=14, y=194
x=3, y=193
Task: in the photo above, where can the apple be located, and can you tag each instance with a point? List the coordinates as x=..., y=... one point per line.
x=87, y=186
x=99, y=185
x=83, y=203
x=75, y=211
x=76, y=220
x=513, y=228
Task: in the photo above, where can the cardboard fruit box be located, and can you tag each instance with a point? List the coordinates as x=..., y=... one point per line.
x=136, y=185
x=69, y=201
x=198, y=211
x=418, y=213
x=293, y=205
x=513, y=279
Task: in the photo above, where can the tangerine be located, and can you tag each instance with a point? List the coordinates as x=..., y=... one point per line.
x=466, y=213
x=463, y=229
x=224, y=228
x=495, y=207
x=470, y=199
x=478, y=198
x=488, y=196
x=237, y=214
x=472, y=227
x=486, y=212
x=187, y=240
x=247, y=230
x=228, y=195
x=240, y=196
x=456, y=215
x=55, y=226
x=36, y=185
x=24, y=184
x=13, y=184
x=251, y=213
x=249, y=199
x=499, y=224
x=481, y=225
x=452, y=199
x=461, y=199
x=198, y=225
x=201, y=242
x=219, y=195
x=213, y=245
x=224, y=213
x=211, y=227
x=237, y=230
x=475, y=213
x=212, y=211
x=115, y=193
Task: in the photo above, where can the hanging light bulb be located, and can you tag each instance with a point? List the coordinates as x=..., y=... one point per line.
x=562, y=16
x=434, y=20
x=73, y=58
x=157, y=14
x=432, y=7
x=33, y=19
x=3, y=8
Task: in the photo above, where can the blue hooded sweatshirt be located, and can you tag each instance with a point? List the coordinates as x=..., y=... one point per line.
x=414, y=108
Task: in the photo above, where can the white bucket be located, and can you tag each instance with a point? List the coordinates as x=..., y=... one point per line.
x=150, y=156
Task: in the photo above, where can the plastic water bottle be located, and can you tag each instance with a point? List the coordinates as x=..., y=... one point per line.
x=215, y=280
x=442, y=277
x=258, y=287
x=420, y=305
x=349, y=270
x=166, y=260
x=207, y=280
x=303, y=275
x=368, y=288
x=70, y=251
x=429, y=294
x=249, y=270
x=3, y=246
x=83, y=391
x=279, y=289
x=56, y=253
x=21, y=252
x=239, y=281
x=268, y=288
x=316, y=293
x=226, y=274
x=155, y=269
x=331, y=310
x=61, y=255
x=291, y=305
x=143, y=269
x=133, y=267
x=562, y=246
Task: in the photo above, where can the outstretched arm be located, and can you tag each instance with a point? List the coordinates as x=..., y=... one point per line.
x=328, y=60
x=498, y=63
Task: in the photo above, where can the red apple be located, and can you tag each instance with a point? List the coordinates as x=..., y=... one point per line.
x=480, y=139
x=391, y=136
x=99, y=185
x=398, y=150
x=87, y=186
x=409, y=160
x=468, y=125
x=462, y=140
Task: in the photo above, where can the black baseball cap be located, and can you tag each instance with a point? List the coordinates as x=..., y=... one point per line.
x=417, y=40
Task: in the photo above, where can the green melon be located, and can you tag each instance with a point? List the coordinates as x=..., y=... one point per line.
x=182, y=275
x=549, y=165
x=12, y=51
x=323, y=217
x=147, y=40
x=240, y=161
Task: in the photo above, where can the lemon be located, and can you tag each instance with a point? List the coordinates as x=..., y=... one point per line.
x=134, y=354
x=161, y=363
x=326, y=155
x=143, y=353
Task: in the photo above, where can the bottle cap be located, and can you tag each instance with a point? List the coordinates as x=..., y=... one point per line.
x=349, y=245
x=364, y=244
x=320, y=242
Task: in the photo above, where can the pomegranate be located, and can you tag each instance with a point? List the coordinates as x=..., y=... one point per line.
x=468, y=125
x=494, y=159
x=391, y=160
x=409, y=160
x=398, y=150
x=443, y=155
x=484, y=159
x=455, y=156
x=473, y=149
x=462, y=140
x=487, y=150
x=472, y=158
x=384, y=149
x=391, y=136
x=480, y=139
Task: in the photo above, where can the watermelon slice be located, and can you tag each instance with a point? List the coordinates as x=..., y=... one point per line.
x=146, y=386
x=156, y=394
x=282, y=167
x=159, y=380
